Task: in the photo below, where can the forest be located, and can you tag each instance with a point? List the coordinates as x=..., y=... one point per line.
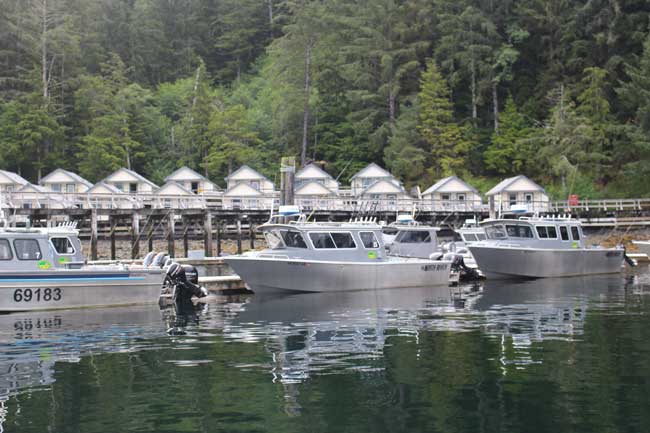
x=558, y=90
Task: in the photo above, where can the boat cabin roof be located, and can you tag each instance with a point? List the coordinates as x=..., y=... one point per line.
x=532, y=221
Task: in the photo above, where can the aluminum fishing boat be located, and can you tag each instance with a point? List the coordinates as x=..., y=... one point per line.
x=541, y=247
x=324, y=256
x=43, y=268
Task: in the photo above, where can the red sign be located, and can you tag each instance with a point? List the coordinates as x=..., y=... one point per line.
x=573, y=200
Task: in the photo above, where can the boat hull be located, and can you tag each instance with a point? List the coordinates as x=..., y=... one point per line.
x=513, y=262
x=271, y=275
x=76, y=289
x=643, y=246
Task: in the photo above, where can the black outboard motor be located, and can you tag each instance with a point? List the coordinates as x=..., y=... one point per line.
x=184, y=288
x=466, y=273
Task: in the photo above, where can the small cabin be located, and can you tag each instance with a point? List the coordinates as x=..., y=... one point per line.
x=175, y=195
x=518, y=194
x=31, y=196
x=248, y=176
x=192, y=181
x=65, y=181
x=128, y=181
x=313, y=174
x=10, y=181
x=106, y=196
x=451, y=194
x=245, y=196
x=371, y=175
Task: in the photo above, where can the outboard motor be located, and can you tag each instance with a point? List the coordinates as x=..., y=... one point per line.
x=466, y=273
x=146, y=262
x=184, y=288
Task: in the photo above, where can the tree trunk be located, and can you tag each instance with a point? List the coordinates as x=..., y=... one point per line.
x=391, y=105
x=44, y=70
x=474, y=96
x=495, y=106
x=270, y=4
x=305, y=117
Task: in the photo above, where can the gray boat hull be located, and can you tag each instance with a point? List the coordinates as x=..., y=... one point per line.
x=513, y=262
x=276, y=275
x=59, y=289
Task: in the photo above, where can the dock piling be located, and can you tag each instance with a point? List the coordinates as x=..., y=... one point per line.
x=207, y=229
x=170, y=233
x=239, y=250
x=93, y=234
x=135, y=233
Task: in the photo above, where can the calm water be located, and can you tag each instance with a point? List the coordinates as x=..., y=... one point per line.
x=563, y=355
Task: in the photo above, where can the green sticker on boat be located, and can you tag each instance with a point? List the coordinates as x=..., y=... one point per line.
x=44, y=264
x=372, y=254
x=63, y=260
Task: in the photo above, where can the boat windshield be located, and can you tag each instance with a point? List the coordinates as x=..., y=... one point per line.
x=413, y=237
x=273, y=239
x=519, y=231
x=469, y=237
x=495, y=232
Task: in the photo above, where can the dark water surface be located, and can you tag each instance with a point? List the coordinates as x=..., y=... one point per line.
x=554, y=355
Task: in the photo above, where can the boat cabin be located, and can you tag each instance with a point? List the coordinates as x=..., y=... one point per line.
x=326, y=241
x=546, y=233
x=38, y=249
x=414, y=240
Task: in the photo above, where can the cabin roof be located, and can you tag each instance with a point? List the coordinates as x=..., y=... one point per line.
x=74, y=176
x=310, y=167
x=258, y=175
x=442, y=182
x=242, y=189
x=505, y=183
x=28, y=186
x=14, y=177
x=323, y=190
x=134, y=174
x=394, y=188
x=113, y=189
x=360, y=173
x=173, y=184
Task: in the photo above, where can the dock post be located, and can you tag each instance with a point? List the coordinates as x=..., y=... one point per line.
x=135, y=233
x=207, y=235
x=112, y=236
x=186, y=247
x=238, y=234
x=150, y=235
x=251, y=233
x=287, y=173
x=170, y=234
x=93, y=234
x=218, y=238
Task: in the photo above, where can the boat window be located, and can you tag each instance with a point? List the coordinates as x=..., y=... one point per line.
x=519, y=231
x=62, y=245
x=564, y=233
x=343, y=240
x=552, y=232
x=495, y=232
x=413, y=237
x=27, y=249
x=481, y=236
x=273, y=239
x=369, y=240
x=5, y=250
x=575, y=234
x=322, y=240
x=546, y=232
x=293, y=239
x=469, y=237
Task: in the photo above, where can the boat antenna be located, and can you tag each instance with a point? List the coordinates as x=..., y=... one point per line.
x=344, y=168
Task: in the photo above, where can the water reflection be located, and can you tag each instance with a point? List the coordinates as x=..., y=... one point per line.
x=380, y=336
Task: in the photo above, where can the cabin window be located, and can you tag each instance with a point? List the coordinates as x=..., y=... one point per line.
x=293, y=239
x=255, y=184
x=519, y=231
x=56, y=187
x=5, y=250
x=495, y=232
x=513, y=199
x=546, y=232
x=322, y=240
x=461, y=197
x=27, y=249
x=564, y=233
x=62, y=245
x=444, y=197
x=343, y=240
x=575, y=233
x=529, y=198
x=413, y=237
x=481, y=236
x=469, y=237
x=194, y=187
x=133, y=188
x=69, y=188
x=273, y=239
x=369, y=239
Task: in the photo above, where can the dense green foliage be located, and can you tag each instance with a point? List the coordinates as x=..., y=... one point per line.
x=555, y=89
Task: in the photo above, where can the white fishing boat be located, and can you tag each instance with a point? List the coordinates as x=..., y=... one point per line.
x=541, y=247
x=42, y=268
x=325, y=256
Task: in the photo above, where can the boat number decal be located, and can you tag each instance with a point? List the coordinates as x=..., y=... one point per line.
x=436, y=267
x=297, y=264
x=30, y=324
x=372, y=254
x=44, y=264
x=613, y=254
x=38, y=295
